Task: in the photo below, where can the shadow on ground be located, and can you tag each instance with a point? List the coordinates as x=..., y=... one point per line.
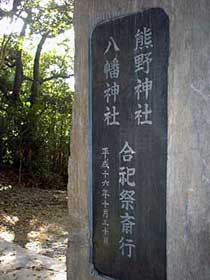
x=21, y=264
x=33, y=218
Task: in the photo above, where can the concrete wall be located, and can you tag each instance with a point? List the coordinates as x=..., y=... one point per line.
x=188, y=179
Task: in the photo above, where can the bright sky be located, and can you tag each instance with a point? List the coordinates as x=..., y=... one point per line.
x=6, y=6
x=8, y=27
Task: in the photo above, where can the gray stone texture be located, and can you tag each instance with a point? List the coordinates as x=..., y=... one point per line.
x=188, y=168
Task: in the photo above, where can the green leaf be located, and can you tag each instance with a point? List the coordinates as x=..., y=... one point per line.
x=28, y=104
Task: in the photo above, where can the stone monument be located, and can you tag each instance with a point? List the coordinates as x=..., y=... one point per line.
x=139, y=183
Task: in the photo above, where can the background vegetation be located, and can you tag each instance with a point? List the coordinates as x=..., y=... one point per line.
x=35, y=94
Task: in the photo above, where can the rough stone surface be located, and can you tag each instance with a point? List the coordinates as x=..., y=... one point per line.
x=188, y=179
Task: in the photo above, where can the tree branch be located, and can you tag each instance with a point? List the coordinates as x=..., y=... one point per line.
x=56, y=76
x=19, y=67
x=36, y=75
x=12, y=12
x=3, y=49
x=27, y=79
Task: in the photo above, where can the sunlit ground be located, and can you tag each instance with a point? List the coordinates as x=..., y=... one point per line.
x=35, y=219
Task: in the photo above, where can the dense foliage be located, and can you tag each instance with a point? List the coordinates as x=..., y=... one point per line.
x=35, y=97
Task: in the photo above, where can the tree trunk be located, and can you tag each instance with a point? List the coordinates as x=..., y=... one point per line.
x=36, y=75
x=18, y=74
x=19, y=67
x=188, y=165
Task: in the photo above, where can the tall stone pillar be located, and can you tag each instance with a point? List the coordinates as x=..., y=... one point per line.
x=188, y=144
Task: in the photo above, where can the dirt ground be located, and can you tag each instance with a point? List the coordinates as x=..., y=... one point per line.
x=33, y=218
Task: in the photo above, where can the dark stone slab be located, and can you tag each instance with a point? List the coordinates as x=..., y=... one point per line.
x=129, y=61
